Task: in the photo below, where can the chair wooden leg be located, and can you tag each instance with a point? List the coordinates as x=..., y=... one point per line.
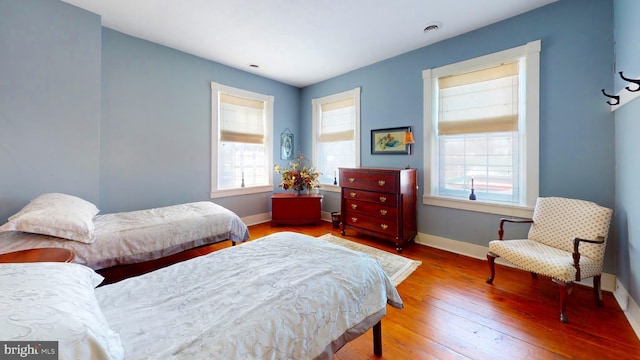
x=491, y=258
x=565, y=290
x=597, y=291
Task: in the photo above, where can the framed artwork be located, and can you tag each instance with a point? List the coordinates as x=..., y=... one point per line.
x=286, y=145
x=390, y=141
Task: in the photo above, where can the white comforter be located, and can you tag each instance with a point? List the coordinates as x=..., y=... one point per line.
x=136, y=236
x=285, y=296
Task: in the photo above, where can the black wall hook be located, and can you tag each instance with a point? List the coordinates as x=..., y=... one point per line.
x=637, y=82
x=614, y=97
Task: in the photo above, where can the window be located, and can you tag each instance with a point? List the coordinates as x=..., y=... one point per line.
x=481, y=120
x=336, y=134
x=241, y=123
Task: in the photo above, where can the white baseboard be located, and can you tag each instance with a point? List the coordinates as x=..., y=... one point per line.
x=609, y=281
x=629, y=307
x=264, y=217
x=256, y=219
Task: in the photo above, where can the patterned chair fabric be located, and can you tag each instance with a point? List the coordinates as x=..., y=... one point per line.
x=549, y=247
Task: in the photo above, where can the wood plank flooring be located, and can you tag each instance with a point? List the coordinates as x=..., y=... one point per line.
x=451, y=313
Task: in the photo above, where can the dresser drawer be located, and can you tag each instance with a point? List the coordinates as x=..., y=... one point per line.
x=372, y=180
x=370, y=196
x=383, y=226
x=381, y=211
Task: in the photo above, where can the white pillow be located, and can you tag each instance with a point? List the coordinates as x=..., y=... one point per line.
x=56, y=302
x=59, y=215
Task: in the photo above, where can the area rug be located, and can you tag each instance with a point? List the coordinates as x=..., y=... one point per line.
x=397, y=267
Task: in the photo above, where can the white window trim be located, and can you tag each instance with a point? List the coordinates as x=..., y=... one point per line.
x=355, y=93
x=532, y=113
x=215, y=193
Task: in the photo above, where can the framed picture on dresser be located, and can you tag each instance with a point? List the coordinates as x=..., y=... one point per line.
x=389, y=141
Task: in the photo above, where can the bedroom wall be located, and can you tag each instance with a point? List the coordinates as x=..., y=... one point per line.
x=627, y=146
x=156, y=125
x=49, y=102
x=576, y=126
x=125, y=123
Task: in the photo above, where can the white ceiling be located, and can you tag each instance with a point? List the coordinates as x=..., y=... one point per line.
x=299, y=42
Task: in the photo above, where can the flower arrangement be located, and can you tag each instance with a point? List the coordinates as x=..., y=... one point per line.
x=298, y=175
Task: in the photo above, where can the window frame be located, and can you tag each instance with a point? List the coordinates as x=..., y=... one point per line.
x=315, y=105
x=528, y=119
x=216, y=89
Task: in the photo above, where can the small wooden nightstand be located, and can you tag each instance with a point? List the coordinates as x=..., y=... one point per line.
x=38, y=255
x=292, y=209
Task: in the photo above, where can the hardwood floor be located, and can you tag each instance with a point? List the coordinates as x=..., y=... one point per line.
x=451, y=313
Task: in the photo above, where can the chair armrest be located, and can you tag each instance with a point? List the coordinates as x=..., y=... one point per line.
x=576, y=253
x=515, y=221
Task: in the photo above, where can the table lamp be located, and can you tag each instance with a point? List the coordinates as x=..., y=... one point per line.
x=408, y=140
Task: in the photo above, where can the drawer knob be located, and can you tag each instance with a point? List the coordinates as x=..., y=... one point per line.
x=354, y=206
x=354, y=219
x=383, y=198
x=384, y=226
x=352, y=194
x=381, y=182
x=383, y=212
x=351, y=180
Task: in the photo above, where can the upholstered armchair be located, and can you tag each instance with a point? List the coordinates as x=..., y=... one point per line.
x=566, y=242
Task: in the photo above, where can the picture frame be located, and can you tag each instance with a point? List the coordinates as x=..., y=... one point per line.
x=390, y=141
x=286, y=145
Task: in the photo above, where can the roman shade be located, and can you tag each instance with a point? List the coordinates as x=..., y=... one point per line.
x=241, y=119
x=479, y=101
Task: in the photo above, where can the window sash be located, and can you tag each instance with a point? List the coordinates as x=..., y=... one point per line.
x=335, y=127
x=491, y=160
x=241, y=155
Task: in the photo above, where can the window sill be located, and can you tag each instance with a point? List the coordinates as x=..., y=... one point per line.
x=479, y=206
x=330, y=188
x=241, y=191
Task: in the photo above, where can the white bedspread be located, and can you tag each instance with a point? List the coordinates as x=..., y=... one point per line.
x=136, y=236
x=285, y=296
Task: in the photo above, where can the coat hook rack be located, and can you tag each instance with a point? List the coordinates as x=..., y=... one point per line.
x=614, y=97
x=637, y=82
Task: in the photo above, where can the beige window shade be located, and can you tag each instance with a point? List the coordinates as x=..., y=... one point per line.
x=479, y=102
x=241, y=120
x=337, y=121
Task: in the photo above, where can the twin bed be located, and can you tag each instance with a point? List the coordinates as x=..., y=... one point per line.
x=102, y=241
x=286, y=295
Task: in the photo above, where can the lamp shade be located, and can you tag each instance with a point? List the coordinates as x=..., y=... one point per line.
x=408, y=138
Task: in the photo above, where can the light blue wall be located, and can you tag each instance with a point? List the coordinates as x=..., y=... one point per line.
x=576, y=127
x=627, y=144
x=156, y=125
x=49, y=102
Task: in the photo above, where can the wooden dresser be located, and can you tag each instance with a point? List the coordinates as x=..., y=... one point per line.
x=380, y=202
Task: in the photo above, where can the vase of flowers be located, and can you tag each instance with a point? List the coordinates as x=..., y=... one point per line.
x=299, y=175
